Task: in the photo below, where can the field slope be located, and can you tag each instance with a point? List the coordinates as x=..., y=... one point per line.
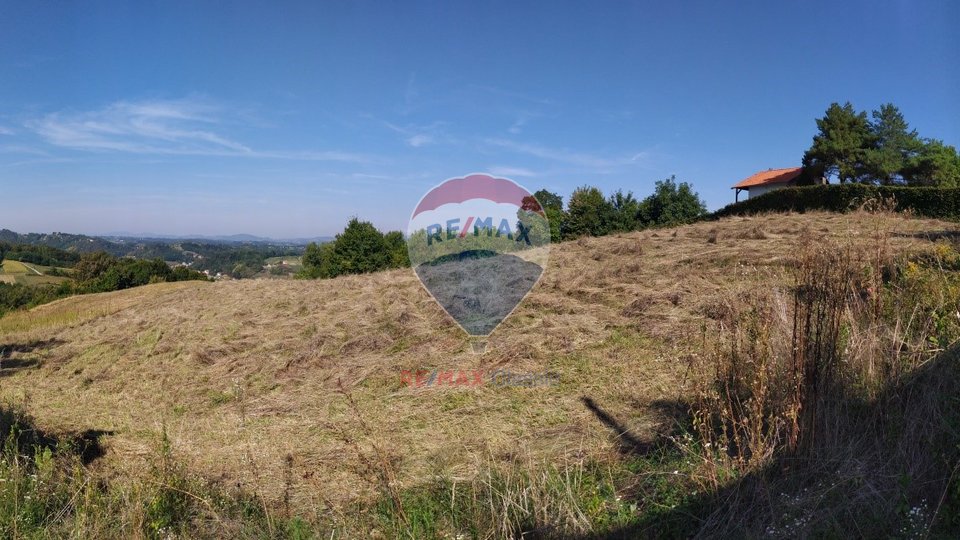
x=250, y=378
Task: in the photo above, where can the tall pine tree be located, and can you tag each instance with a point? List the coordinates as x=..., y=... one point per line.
x=840, y=147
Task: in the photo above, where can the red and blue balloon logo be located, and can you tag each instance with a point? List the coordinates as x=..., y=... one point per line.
x=478, y=244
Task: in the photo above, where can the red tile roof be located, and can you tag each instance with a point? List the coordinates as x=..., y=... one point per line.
x=770, y=176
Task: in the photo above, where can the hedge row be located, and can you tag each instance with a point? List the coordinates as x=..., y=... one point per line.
x=942, y=203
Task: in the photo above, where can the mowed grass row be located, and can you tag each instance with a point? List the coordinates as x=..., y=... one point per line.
x=30, y=274
x=14, y=267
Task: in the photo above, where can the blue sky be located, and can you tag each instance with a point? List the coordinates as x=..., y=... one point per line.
x=285, y=119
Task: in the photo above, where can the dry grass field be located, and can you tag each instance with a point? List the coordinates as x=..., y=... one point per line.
x=252, y=380
x=15, y=267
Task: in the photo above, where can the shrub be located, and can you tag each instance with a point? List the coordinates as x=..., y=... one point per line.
x=18, y=296
x=942, y=203
x=670, y=204
x=588, y=214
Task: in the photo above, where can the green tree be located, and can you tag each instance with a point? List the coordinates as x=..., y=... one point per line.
x=549, y=199
x=840, y=147
x=671, y=204
x=894, y=146
x=360, y=249
x=242, y=270
x=588, y=213
x=93, y=265
x=182, y=273
x=103, y=274
x=553, y=208
x=323, y=263
x=936, y=164
x=312, y=260
x=625, y=210
x=397, y=248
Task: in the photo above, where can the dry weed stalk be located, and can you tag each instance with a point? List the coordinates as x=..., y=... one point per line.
x=377, y=461
x=861, y=399
x=823, y=286
x=737, y=412
x=762, y=397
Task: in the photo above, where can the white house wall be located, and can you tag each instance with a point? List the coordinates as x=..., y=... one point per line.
x=756, y=191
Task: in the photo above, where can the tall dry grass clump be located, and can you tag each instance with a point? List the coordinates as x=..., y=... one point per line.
x=47, y=490
x=832, y=403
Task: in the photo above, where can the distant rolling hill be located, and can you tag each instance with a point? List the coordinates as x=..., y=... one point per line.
x=216, y=254
x=78, y=243
x=230, y=238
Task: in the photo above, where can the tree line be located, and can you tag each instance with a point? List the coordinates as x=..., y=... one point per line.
x=236, y=260
x=361, y=248
x=102, y=272
x=91, y=273
x=37, y=254
x=589, y=213
x=880, y=149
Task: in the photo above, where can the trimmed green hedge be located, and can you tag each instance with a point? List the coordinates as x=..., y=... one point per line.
x=943, y=203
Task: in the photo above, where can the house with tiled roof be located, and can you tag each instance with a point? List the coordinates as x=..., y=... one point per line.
x=768, y=180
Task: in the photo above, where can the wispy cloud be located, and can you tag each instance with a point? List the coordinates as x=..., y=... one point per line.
x=511, y=172
x=518, y=124
x=154, y=127
x=563, y=155
x=28, y=162
x=514, y=94
x=418, y=136
x=6, y=131
x=164, y=127
x=21, y=149
x=419, y=140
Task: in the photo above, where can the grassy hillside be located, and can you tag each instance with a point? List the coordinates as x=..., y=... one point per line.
x=29, y=273
x=292, y=390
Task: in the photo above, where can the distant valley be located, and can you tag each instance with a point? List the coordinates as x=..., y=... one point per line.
x=239, y=256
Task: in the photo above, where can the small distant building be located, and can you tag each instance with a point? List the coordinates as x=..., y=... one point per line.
x=767, y=180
